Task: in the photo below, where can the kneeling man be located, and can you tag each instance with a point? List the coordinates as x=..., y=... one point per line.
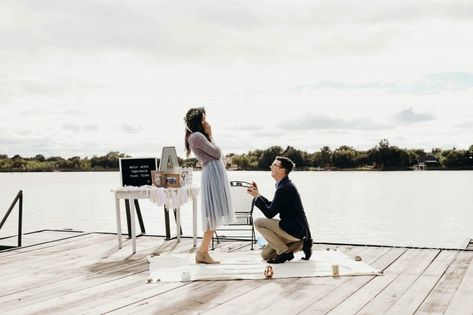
x=291, y=233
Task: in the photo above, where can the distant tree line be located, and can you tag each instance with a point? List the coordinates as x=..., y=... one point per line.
x=381, y=157
x=39, y=163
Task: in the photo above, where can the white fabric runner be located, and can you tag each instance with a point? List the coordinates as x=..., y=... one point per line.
x=249, y=265
x=170, y=197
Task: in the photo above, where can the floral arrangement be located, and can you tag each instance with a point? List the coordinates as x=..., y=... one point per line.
x=193, y=113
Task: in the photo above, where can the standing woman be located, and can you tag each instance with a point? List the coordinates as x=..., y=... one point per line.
x=216, y=203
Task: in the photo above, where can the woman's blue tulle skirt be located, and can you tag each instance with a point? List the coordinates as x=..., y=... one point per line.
x=216, y=202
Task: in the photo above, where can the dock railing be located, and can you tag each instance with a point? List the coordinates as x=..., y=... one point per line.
x=19, y=199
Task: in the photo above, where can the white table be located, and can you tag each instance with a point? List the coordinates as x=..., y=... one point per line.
x=169, y=197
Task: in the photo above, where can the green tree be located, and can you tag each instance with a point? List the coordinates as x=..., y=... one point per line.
x=5, y=164
x=190, y=162
x=74, y=163
x=85, y=164
x=361, y=159
x=108, y=161
x=267, y=157
x=297, y=156
x=344, y=157
x=469, y=156
x=253, y=162
x=40, y=158
x=244, y=162
x=325, y=156
x=454, y=159
x=19, y=164
x=388, y=157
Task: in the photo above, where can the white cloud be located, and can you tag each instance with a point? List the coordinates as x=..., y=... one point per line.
x=409, y=116
x=428, y=84
x=128, y=128
x=326, y=122
x=466, y=125
x=120, y=75
x=78, y=128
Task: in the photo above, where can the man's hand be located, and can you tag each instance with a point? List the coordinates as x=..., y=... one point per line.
x=253, y=190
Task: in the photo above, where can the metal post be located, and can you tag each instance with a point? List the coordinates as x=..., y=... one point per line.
x=20, y=218
x=19, y=197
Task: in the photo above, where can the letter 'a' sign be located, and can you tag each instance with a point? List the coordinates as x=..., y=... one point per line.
x=169, y=163
x=137, y=171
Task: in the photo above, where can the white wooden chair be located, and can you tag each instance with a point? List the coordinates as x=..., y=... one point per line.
x=242, y=229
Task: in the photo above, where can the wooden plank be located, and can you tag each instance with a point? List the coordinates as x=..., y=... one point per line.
x=71, y=259
x=134, y=300
x=65, y=292
x=391, y=293
x=73, y=262
x=335, y=297
x=53, y=251
x=34, y=238
x=26, y=251
x=372, y=288
x=105, y=295
x=51, y=290
x=307, y=296
x=442, y=294
x=461, y=302
x=196, y=297
x=75, y=278
x=410, y=301
x=206, y=297
x=275, y=295
x=85, y=298
x=38, y=268
x=117, y=300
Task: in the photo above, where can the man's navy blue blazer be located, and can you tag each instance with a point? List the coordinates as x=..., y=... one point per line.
x=287, y=202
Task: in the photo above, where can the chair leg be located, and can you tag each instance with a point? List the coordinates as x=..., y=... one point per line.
x=253, y=237
x=215, y=236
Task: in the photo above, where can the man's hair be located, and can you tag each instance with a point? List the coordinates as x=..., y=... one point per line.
x=286, y=163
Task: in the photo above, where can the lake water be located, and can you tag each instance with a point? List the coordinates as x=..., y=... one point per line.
x=425, y=209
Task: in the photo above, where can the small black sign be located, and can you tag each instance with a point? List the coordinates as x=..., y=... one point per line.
x=137, y=172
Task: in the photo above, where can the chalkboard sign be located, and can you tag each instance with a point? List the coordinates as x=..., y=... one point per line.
x=137, y=172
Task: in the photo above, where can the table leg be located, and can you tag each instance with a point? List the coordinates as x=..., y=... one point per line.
x=132, y=223
x=194, y=221
x=128, y=220
x=178, y=223
x=119, y=224
x=166, y=224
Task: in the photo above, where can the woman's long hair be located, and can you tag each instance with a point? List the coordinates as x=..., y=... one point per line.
x=193, y=122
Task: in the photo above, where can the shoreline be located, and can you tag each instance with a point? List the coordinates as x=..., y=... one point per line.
x=249, y=170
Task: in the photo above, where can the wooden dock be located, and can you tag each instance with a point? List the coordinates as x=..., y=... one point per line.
x=87, y=274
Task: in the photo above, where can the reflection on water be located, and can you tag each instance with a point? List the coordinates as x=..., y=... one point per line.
x=431, y=209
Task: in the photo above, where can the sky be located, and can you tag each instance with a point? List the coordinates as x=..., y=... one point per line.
x=83, y=78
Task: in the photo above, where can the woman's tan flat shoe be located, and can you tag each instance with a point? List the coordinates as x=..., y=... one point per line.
x=204, y=258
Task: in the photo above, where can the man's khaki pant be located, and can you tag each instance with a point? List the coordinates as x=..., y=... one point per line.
x=279, y=241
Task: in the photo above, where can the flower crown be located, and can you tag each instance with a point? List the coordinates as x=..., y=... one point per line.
x=194, y=113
